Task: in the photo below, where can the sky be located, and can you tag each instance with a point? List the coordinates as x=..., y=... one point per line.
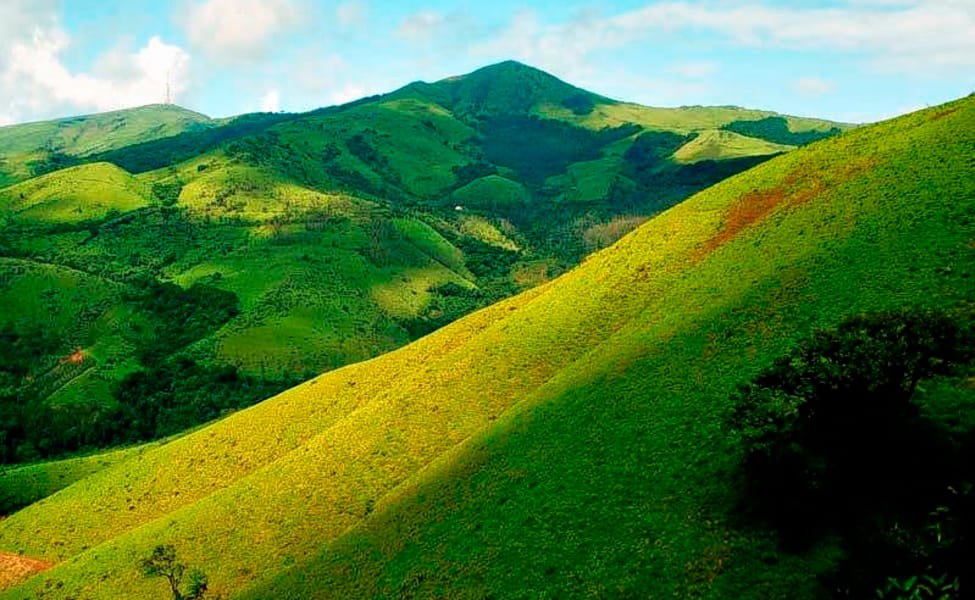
x=847, y=60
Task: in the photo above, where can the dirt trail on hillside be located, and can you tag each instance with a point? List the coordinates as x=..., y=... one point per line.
x=14, y=569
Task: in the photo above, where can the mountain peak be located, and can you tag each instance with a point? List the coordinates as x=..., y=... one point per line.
x=507, y=87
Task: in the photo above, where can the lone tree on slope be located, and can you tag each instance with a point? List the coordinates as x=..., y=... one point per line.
x=163, y=563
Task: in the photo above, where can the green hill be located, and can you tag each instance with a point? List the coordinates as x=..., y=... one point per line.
x=568, y=441
x=24, y=485
x=35, y=148
x=418, y=146
x=506, y=88
x=83, y=193
x=304, y=242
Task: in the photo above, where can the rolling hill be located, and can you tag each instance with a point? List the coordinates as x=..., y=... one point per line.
x=35, y=148
x=84, y=193
x=568, y=441
x=304, y=242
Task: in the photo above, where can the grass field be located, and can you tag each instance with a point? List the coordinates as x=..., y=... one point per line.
x=566, y=440
x=717, y=144
x=83, y=193
x=335, y=228
x=24, y=485
x=46, y=145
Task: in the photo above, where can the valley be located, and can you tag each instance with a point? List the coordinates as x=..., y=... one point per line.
x=249, y=254
x=488, y=337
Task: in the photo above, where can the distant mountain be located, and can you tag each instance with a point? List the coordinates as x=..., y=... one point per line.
x=36, y=148
x=246, y=254
x=507, y=88
x=568, y=441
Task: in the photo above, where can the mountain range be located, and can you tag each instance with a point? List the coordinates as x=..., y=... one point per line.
x=566, y=292
x=244, y=255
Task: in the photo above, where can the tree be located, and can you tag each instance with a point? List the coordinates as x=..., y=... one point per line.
x=835, y=443
x=163, y=563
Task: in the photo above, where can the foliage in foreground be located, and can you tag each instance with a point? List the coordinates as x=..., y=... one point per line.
x=836, y=442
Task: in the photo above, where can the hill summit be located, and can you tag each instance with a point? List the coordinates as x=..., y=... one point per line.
x=570, y=440
x=506, y=88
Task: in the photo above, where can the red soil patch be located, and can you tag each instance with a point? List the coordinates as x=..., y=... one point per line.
x=76, y=358
x=14, y=569
x=749, y=209
x=944, y=113
x=798, y=187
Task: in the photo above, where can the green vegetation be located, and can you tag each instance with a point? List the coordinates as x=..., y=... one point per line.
x=838, y=445
x=36, y=148
x=721, y=144
x=248, y=253
x=21, y=486
x=777, y=130
x=82, y=194
x=162, y=563
x=571, y=438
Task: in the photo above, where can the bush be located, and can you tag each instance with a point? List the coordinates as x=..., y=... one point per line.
x=834, y=443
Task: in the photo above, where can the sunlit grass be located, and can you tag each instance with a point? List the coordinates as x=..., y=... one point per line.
x=566, y=439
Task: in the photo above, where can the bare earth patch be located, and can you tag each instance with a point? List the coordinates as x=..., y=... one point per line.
x=14, y=569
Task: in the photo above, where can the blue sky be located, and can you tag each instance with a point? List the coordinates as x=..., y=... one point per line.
x=851, y=60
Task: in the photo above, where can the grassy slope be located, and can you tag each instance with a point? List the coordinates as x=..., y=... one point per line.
x=54, y=297
x=565, y=440
x=80, y=310
x=82, y=193
x=89, y=134
x=24, y=485
x=716, y=144
x=314, y=294
x=613, y=479
x=682, y=119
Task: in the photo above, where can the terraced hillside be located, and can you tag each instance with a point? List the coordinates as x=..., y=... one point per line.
x=569, y=441
x=302, y=243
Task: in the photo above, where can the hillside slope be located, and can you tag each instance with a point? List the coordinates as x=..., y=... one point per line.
x=35, y=148
x=83, y=193
x=335, y=235
x=565, y=442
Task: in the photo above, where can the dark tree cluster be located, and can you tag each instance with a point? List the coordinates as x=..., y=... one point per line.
x=163, y=152
x=168, y=395
x=580, y=104
x=540, y=148
x=167, y=193
x=53, y=161
x=776, y=130
x=179, y=394
x=181, y=316
x=20, y=351
x=837, y=442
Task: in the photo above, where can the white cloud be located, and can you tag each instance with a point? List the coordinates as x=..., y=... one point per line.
x=271, y=101
x=315, y=73
x=35, y=69
x=348, y=93
x=813, y=86
x=918, y=36
x=18, y=18
x=421, y=26
x=351, y=14
x=239, y=30
x=562, y=49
